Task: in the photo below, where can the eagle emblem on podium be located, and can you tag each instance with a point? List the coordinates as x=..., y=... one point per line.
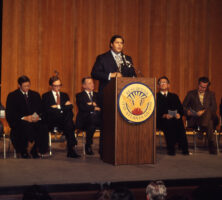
x=136, y=102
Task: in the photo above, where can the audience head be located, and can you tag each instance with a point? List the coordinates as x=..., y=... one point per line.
x=156, y=190
x=163, y=83
x=88, y=84
x=103, y=195
x=116, y=43
x=55, y=83
x=203, y=84
x=36, y=192
x=24, y=83
x=122, y=194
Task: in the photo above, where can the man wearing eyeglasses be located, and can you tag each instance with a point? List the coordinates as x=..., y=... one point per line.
x=200, y=108
x=57, y=110
x=169, y=111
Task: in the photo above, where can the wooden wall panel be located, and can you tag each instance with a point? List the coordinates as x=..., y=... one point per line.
x=179, y=39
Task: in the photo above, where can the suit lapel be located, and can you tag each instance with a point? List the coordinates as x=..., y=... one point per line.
x=52, y=99
x=112, y=61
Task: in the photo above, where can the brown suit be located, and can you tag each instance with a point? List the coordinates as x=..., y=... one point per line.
x=209, y=119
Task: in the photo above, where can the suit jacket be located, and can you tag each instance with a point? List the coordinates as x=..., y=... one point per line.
x=106, y=64
x=171, y=102
x=192, y=101
x=84, y=110
x=16, y=106
x=50, y=114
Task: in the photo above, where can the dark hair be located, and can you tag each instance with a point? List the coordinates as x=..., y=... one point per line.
x=113, y=38
x=204, y=79
x=53, y=79
x=23, y=79
x=163, y=77
x=85, y=78
x=122, y=194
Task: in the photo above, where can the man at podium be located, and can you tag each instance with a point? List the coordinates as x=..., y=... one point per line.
x=113, y=63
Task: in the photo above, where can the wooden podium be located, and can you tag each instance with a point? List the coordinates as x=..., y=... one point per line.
x=124, y=142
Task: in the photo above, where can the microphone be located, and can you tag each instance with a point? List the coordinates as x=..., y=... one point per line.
x=139, y=73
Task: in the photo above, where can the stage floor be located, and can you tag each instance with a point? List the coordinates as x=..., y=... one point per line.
x=59, y=169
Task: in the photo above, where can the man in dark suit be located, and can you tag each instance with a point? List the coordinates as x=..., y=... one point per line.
x=112, y=63
x=89, y=112
x=57, y=110
x=169, y=118
x=200, y=108
x=24, y=115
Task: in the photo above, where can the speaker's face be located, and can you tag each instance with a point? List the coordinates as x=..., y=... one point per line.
x=117, y=45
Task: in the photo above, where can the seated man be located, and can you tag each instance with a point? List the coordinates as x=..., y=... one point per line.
x=23, y=113
x=57, y=110
x=200, y=108
x=89, y=114
x=169, y=118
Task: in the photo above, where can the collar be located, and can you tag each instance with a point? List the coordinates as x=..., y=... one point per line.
x=24, y=92
x=163, y=93
x=87, y=92
x=54, y=93
x=115, y=54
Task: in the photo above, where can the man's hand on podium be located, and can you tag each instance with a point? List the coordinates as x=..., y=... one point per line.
x=115, y=74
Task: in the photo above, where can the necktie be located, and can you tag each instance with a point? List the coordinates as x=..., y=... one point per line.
x=119, y=61
x=57, y=98
x=26, y=98
x=91, y=97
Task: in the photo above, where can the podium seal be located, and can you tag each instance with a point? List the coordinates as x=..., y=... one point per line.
x=136, y=102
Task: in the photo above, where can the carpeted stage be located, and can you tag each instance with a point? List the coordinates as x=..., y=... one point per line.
x=60, y=170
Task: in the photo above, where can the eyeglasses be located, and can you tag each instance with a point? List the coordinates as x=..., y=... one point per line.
x=161, y=83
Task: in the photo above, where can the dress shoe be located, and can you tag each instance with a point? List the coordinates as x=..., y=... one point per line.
x=88, y=150
x=73, y=154
x=213, y=151
x=35, y=155
x=25, y=155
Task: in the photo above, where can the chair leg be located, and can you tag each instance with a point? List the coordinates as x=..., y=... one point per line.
x=4, y=146
x=194, y=141
x=217, y=143
x=50, y=144
x=83, y=143
x=160, y=140
x=15, y=155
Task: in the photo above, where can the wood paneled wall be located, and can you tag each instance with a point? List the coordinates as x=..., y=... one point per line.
x=178, y=38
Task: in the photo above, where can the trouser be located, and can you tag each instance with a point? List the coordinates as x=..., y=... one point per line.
x=174, y=133
x=206, y=123
x=64, y=122
x=26, y=132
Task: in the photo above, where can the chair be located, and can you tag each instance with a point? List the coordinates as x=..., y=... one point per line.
x=195, y=130
x=57, y=138
x=159, y=132
x=83, y=133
